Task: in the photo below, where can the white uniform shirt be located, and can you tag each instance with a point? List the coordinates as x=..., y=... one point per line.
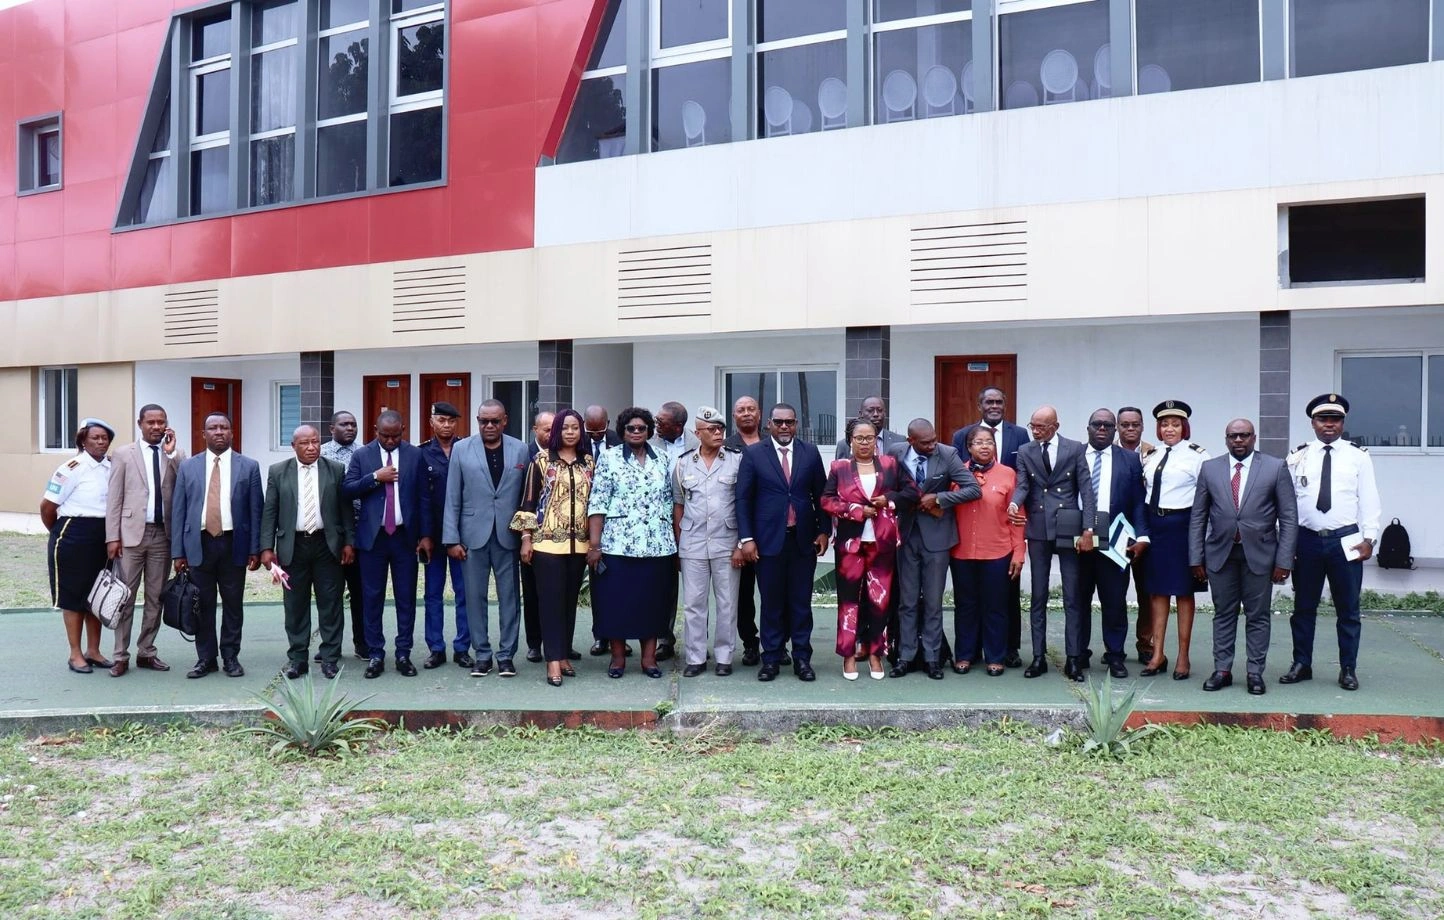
x=302, y=472
x=80, y=486
x=1180, y=475
x=223, y=460
x=1355, y=496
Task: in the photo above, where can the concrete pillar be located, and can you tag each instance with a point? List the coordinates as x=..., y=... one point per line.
x=868, y=367
x=1275, y=356
x=554, y=375
x=318, y=390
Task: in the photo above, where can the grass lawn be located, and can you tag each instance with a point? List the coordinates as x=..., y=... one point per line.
x=825, y=823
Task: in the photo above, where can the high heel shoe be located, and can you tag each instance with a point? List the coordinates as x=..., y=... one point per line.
x=875, y=673
x=568, y=671
x=554, y=681
x=615, y=671
x=1180, y=675
x=1152, y=671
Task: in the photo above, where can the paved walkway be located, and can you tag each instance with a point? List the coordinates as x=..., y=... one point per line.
x=1402, y=672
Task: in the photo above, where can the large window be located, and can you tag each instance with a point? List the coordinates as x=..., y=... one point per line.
x=1187, y=44
x=691, y=73
x=801, y=66
x=39, y=159
x=520, y=398
x=286, y=410
x=922, y=59
x=418, y=69
x=1332, y=36
x=342, y=94
x=210, y=123
x=1047, y=54
x=597, y=127
x=1395, y=400
x=58, y=412
x=274, y=73
x=812, y=392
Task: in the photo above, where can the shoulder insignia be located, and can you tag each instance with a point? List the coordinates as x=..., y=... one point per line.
x=1195, y=447
x=1150, y=451
x=1300, y=447
x=731, y=450
x=1361, y=447
x=72, y=464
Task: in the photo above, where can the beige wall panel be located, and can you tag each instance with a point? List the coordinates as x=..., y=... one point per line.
x=107, y=391
x=857, y=271
x=138, y=324
x=17, y=389
x=1210, y=256
x=575, y=291
x=502, y=290
x=772, y=283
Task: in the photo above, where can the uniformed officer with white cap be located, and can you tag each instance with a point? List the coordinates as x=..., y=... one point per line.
x=704, y=519
x=1338, y=523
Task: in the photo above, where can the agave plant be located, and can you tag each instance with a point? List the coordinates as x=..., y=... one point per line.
x=1107, y=718
x=301, y=722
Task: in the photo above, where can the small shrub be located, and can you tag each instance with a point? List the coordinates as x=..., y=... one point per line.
x=1106, y=719
x=304, y=724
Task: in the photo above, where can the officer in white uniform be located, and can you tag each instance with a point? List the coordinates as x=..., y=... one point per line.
x=704, y=518
x=1339, y=517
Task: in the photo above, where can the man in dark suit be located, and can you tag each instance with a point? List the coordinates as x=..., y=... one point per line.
x=1007, y=439
x=1052, y=477
x=598, y=431
x=215, y=535
x=310, y=531
x=928, y=531
x=1116, y=477
x=873, y=411
x=746, y=431
x=1243, y=531
x=437, y=453
x=782, y=528
x=392, y=533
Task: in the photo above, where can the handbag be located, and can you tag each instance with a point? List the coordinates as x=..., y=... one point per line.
x=180, y=605
x=108, y=595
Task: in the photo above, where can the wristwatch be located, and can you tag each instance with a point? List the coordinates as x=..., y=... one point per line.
x=744, y=542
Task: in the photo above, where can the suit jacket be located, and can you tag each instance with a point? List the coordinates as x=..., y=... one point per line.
x=843, y=497
x=1125, y=492
x=763, y=497
x=189, y=504
x=689, y=442
x=476, y=510
x=945, y=469
x=128, y=497
x=1041, y=495
x=885, y=438
x=1267, y=516
x=1014, y=437
x=360, y=483
x=278, y=516
x=613, y=439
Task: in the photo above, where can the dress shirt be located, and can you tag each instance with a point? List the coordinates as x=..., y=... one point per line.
x=1105, y=478
x=997, y=431
x=791, y=454
x=302, y=472
x=1242, y=474
x=341, y=453
x=80, y=486
x=1180, y=475
x=1052, y=448
x=675, y=448
x=868, y=481
x=1353, y=490
x=389, y=458
x=152, y=488
x=223, y=460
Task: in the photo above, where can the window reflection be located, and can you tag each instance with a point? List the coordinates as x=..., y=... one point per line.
x=690, y=104
x=801, y=88
x=598, y=124
x=342, y=84
x=1332, y=36
x=1197, y=44
x=416, y=145
x=688, y=22
x=341, y=158
x=1048, y=55
x=923, y=72
x=1385, y=399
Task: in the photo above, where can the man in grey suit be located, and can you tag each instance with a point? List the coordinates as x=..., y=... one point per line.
x=1053, y=476
x=483, y=492
x=928, y=532
x=1243, y=531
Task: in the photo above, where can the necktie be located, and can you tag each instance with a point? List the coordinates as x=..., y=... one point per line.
x=1158, y=482
x=155, y=496
x=787, y=476
x=388, y=517
x=213, y=499
x=1097, y=476
x=1047, y=462
x=922, y=470
x=312, y=520
x=1233, y=484
x=1326, y=482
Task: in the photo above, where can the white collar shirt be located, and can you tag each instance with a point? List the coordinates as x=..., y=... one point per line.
x=1354, y=492
x=997, y=431
x=1180, y=474
x=152, y=457
x=1233, y=463
x=791, y=461
x=79, y=487
x=303, y=473
x=1105, y=476
x=223, y=460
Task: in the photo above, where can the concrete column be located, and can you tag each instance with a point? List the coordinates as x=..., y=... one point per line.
x=984, y=70
x=554, y=375
x=318, y=390
x=868, y=367
x=1275, y=38
x=1275, y=356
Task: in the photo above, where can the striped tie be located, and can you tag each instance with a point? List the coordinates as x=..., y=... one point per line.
x=312, y=521
x=1097, y=472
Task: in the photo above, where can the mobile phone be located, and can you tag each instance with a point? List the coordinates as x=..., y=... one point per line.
x=601, y=566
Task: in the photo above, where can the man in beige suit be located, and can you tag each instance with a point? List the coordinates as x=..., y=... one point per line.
x=137, y=531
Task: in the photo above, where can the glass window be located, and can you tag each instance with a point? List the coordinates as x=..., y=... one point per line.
x=405, y=6
x=161, y=143
x=1332, y=36
x=801, y=87
x=1046, y=55
x=210, y=38
x=1357, y=241
x=157, y=196
x=691, y=22
x=288, y=413
x=1385, y=399
x=923, y=72
x=341, y=158
x=273, y=22
x=47, y=159
x=58, y=408
x=813, y=393
x=611, y=48
x=420, y=58
x=689, y=104
x=210, y=180
x=598, y=124
x=273, y=90
x=1195, y=44
x=415, y=146
x=344, y=12
x=782, y=19
x=273, y=169
x=341, y=87
x=213, y=102
x=888, y=10
x=520, y=399
x=1435, y=431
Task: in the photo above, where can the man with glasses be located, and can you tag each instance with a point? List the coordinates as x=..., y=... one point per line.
x=1130, y=438
x=782, y=528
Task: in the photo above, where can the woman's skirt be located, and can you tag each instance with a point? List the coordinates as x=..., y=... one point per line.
x=1165, y=565
x=76, y=555
x=632, y=596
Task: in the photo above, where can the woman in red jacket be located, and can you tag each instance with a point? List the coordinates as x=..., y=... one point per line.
x=863, y=493
x=989, y=553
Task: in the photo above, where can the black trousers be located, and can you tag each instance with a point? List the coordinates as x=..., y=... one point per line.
x=747, y=606
x=217, y=573
x=352, y=575
x=531, y=603
x=558, y=579
x=313, y=565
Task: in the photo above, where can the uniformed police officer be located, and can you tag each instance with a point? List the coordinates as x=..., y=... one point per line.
x=437, y=454
x=704, y=519
x=1338, y=523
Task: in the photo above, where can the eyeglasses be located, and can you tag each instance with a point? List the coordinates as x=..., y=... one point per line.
x=1101, y=426
x=785, y=422
x=636, y=429
x=1239, y=436
x=597, y=432
x=485, y=422
x=864, y=438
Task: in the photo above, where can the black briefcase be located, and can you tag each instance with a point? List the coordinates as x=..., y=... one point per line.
x=180, y=605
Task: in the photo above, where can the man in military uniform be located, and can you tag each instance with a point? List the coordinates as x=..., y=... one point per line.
x=1338, y=524
x=704, y=520
x=437, y=454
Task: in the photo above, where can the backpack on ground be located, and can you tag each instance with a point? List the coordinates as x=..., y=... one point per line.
x=1393, y=552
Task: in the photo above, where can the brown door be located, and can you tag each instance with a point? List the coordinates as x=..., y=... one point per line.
x=214, y=394
x=452, y=388
x=959, y=380
x=379, y=394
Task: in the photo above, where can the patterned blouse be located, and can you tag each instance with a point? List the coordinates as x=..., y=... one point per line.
x=554, y=504
x=637, y=502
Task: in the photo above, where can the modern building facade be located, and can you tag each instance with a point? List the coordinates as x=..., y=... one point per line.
x=285, y=208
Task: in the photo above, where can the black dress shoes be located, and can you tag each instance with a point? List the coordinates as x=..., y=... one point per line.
x=724, y=670
x=901, y=669
x=295, y=669
x=463, y=659
x=1117, y=669
x=768, y=672
x=664, y=651
x=434, y=660
x=404, y=667
x=750, y=656
x=574, y=655
x=804, y=672
x=232, y=667
x=534, y=655
x=1039, y=666
x=1014, y=660
x=786, y=659
x=935, y=671
x=1152, y=671
x=693, y=670
x=1218, y=680
x=1347, y=679
x=1073, y=670
x=504, y=668
x=1297, y=672
x=599, y=648
x=1256, y=685
x=329, y=669
x=202, y=668
x=374, y=668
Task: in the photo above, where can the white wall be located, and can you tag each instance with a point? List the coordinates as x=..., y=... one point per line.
x=602, y=376
x=168, y=383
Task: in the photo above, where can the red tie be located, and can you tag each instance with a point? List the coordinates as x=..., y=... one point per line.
x=787, y=475
x=1234, y=483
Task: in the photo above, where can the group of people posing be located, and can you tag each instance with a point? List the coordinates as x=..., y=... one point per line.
x=739, y=514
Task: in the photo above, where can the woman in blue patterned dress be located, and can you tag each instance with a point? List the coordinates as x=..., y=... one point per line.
x=632, y=552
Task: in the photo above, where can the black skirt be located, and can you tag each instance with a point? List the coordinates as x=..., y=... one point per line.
x=1165, y=565
x=76, y=555
x=630, y=598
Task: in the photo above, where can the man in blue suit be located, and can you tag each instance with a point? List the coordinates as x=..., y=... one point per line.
x=216, y=536
x=781, y=526
x=388, y=476
x=1116, y=475
x=483, y=492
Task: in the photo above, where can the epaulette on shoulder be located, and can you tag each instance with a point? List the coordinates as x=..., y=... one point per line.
x=1299, y=448
x=1148, y=453
x=731, y=450
x=1194, y=447
x=73, y=464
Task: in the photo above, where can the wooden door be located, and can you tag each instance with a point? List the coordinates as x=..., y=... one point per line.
x=214, y=394
x=959, y=381
x=452, y=388
x=387, y=391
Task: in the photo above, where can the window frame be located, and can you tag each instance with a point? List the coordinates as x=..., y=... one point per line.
x=253, y=54
x=874, y=29
x=777, y=370
x=525, y=421
x=70, y=381
x=1258, y=8
x=1423, y=354
x=658, y=56
x=29, y=135
x=757, y=48
x=282, y=438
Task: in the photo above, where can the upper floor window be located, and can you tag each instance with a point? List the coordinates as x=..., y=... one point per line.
x=1332, y=36
x=1354, y=242
x=1053, y=52
x=1395, y=400
x=597, y=127
x=691, y=73
x=39, y=158
x=418, y=68
x=801, y=57
x=1187, y=44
